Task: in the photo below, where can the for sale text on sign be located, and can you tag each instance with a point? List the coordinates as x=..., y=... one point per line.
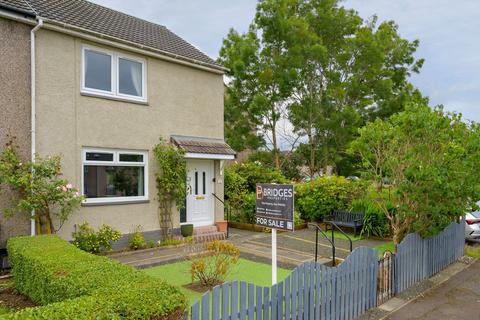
x=275, y=206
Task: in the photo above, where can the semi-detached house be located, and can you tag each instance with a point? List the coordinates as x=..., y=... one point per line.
x=100, y=88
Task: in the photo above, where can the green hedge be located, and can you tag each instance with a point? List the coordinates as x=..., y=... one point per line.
x=73, y=284
x=316, y=199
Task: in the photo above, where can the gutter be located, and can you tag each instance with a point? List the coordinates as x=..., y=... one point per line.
x=10, y=14
x=33, y=104
x=113, y=41
x=13, y=9
x=130, y=46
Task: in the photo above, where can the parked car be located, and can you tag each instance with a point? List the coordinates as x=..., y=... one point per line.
x=472, y=226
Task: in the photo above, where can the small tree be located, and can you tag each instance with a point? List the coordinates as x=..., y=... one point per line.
x=39, y=188
x=430, y=159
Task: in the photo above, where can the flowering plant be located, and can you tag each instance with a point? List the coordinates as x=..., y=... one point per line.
x=38, y=187
x=87, y=239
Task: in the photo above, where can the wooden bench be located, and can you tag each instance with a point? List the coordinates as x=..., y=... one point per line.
x=346, y=219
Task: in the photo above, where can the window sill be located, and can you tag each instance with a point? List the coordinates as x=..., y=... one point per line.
x=112, y=203
x=114, y=98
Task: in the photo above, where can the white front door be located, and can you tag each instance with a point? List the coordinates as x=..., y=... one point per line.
x=199, y=192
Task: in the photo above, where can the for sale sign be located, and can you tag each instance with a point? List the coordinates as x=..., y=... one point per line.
x=275, y=206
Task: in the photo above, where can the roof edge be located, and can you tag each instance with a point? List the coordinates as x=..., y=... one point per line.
x=131, y=46
x=196, y=138
x=17, y=10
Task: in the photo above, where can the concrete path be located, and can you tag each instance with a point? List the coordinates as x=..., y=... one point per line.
x=150, y=257
x=457, y=298
x=294, y=248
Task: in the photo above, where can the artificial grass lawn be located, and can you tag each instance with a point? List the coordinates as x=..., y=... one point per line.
x=178, y=274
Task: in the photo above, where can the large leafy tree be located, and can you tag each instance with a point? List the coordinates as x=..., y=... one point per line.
x=347, y=71
x=255, y=94
x=328, y=68
x=430, y=158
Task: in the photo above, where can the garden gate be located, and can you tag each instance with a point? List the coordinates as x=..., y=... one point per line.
x=386, y=277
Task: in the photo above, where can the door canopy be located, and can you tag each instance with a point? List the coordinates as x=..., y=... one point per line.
x=204, y=148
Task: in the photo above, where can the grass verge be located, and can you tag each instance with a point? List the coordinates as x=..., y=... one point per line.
x=389, y=246
x=472, y=251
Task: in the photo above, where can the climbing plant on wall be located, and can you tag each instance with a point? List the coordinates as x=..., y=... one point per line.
x=171, y=179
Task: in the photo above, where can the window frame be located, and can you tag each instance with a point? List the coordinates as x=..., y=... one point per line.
x=115, y=81
x=116, y=163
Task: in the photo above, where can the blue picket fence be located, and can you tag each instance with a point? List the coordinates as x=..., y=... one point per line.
x=311, y=291
x=315, y=291
x=418, y=259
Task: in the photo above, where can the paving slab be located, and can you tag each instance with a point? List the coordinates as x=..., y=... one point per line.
x=392, y=304
x=150, y=257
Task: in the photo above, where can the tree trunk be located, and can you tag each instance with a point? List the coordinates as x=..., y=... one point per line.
x=44, y=223
x=275, y=145
x=311, y=164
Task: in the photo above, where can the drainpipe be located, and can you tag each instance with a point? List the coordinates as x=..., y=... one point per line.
x=32, y=103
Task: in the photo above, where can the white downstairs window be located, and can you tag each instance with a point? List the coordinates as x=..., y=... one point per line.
x=111, y=176
x=109, y=74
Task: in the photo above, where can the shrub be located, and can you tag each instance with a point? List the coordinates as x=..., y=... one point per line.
x=73, y=284
x=316, y=199
x=289, y=162
x=137, y=240
x=52, y=198
x=297, y=219
x=374, y=221
x=248, y=208
x=212, y=266
x=240, y=183
x=87, y=239
x=255, y=172
x=235, y=187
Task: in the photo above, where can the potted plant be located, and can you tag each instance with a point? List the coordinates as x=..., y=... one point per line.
x=222, y=225
x=186, y=230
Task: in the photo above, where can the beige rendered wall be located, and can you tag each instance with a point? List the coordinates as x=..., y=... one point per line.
x=181, y=100
x=14, y=109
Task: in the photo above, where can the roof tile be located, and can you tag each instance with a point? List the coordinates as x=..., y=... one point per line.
x=99, y=19
x=202, y=145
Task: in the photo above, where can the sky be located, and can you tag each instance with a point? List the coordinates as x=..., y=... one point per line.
x=447, y=31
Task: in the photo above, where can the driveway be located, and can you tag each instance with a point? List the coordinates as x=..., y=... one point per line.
x=457, y=298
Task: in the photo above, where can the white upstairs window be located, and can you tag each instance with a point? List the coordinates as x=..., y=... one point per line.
x=109, y=74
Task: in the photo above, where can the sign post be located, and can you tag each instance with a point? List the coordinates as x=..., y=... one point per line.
x=274, y=256
x=274, y=210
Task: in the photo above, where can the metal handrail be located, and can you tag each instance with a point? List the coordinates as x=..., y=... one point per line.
x=334, y=225
x=227, y=207
x=317, y=228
